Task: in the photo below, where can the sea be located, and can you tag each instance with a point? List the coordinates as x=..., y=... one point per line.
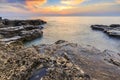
x=77, y=30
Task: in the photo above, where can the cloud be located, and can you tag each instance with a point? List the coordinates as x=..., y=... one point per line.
x=54, y=9
x=118, y=1
x=16, y=8
x=33, y=5
x=72, y=2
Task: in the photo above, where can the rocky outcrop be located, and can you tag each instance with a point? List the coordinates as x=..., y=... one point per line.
x=112, y=30
x=29, y=64
x=7, y=22
x=20, y=30
x=31, y=34
x=59, y=61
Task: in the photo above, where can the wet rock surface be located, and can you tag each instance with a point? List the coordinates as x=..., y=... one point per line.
x=112, y=30
x=20, y=30
x=59, y=61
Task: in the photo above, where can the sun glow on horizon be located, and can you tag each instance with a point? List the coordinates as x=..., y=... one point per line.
x=34, y=4
x=37, y=7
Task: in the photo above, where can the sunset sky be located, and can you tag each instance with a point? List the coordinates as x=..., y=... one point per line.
x=59, y=7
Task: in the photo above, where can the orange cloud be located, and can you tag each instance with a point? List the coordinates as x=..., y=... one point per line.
x=54, y=9
x=72, y=2
x=118, y=1
x=34, y=4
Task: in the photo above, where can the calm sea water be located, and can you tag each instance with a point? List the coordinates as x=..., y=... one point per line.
x=77, y=30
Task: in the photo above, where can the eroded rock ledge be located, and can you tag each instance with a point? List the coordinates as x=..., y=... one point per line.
x=111, y=30
x=20, y=30
x=59, y=61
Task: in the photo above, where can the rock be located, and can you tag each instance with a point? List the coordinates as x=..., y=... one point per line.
x=1, y=24
x=20, y=35
x=115, y=33
x=90, y=62
x=61, y=61
x=112, y=30
x=16, y=38
x=31, y=34
x=28, y=64
x=115, y=25
x=15, y=31
x=20, y=65
x=0, y=18
x=20, y=30
x=10, y=31
x=99, y=27
x=60, y=41
x=112, y=57
x=23, y=22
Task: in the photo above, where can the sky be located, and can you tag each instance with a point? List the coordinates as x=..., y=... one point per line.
x=59, y=8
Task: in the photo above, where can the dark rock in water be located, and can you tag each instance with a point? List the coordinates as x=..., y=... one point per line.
x=23, y=36
x=99, y=27
x=0, y=18
x=26, y=33
x=115, y=33
x=25, y=29
x=22, y=22
x=31, y=34
x=115, y=25
x=112, y=30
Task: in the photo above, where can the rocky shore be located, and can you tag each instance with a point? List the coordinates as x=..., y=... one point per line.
x=111, y=30
x=59, y=61
x=20, y=30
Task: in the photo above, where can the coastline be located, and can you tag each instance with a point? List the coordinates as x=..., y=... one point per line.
x=59, y=61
